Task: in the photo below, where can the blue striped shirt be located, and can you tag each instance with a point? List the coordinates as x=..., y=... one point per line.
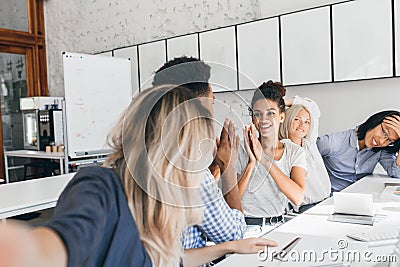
x=346, y=163
x=220, y=222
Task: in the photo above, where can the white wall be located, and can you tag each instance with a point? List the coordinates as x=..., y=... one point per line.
x=270, y=8
x=99, y=25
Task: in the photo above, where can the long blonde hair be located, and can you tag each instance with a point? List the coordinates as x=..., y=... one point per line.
x=291, y=114
x=156, y=153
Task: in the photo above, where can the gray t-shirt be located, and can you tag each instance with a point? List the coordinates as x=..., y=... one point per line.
x=262, y=197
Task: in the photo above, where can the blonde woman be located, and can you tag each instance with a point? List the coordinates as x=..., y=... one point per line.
x=301, y=127
x=133, y=213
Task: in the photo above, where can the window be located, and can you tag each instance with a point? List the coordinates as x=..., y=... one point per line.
x=23, y=70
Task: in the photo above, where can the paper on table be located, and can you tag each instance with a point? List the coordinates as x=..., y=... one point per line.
x=391, y=192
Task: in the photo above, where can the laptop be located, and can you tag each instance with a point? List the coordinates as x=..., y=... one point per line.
x=354, y=208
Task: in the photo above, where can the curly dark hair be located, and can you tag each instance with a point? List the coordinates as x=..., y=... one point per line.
x=189, y=72
x=270, y=90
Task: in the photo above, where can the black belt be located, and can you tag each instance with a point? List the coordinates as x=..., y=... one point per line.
x=267, y=220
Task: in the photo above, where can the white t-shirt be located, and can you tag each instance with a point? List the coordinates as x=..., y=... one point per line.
x=262, y=197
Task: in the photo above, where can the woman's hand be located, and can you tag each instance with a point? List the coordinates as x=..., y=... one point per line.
x=200, y=256
x=248, y=146
x=251, y=245
x=289, y=101
x=393, y=122
x=255, y=143
x=234, y=142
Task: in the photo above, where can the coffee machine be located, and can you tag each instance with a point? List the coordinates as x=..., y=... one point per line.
x=50, y=128
x=42, y=122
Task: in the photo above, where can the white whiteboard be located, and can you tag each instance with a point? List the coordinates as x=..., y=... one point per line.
x=97, y=91
x=362, y=43
x=183, y=46
x=258, y=45
x=306, y=47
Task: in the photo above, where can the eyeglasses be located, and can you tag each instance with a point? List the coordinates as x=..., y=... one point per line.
x=386, y=136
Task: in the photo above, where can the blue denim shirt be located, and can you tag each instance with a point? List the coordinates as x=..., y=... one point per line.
x=346, y=163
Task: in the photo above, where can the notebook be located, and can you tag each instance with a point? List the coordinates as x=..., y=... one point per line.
x=353, y=208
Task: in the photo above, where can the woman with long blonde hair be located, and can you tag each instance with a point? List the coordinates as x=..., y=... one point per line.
x=301, y=127
x=161, y=168
x=133, y=212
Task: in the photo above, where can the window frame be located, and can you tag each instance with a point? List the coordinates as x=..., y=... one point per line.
x=32, y=44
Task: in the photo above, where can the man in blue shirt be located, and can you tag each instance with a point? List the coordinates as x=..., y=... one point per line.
x=223, y=218
x=353, y=154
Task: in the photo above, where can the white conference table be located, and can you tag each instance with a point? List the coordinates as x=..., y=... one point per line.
x=31, y=195
x=60, y=156
x=319, y=234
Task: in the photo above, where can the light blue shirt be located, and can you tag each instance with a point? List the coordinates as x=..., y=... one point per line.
x=346, y=164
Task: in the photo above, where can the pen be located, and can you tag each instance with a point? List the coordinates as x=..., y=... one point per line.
x=286, y=249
